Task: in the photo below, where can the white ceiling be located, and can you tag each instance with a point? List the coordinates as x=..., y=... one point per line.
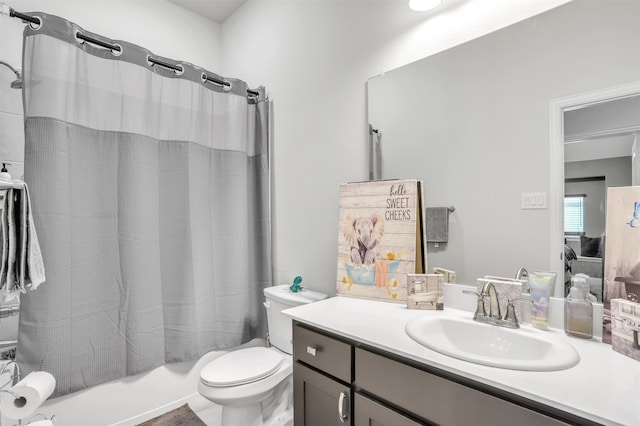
x=216, y=10
x=219, y=10
x=490, y=11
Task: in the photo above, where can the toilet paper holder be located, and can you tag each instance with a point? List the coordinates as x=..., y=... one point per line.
x=15, y=378
x=33, y=420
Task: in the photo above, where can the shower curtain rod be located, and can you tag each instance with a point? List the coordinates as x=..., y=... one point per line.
x=37, y=21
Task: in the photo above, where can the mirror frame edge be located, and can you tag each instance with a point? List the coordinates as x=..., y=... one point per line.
x=557, y=107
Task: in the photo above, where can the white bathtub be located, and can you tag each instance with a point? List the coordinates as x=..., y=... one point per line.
x=131, y=400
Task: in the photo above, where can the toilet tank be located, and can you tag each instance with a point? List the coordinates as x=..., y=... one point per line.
x=278, y=298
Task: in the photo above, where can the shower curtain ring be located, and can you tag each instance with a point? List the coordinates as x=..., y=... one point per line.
x=78, y=39
x=118, y=51
x=35, y=26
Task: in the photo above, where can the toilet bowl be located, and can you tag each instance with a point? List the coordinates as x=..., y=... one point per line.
x=241, y=380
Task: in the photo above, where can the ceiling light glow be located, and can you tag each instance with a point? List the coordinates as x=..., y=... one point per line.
x=423, y=5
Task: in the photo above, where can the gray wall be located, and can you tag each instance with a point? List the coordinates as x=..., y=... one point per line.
x=616, y=172
x=473, y=123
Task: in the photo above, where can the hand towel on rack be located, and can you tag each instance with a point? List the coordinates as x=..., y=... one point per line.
x=8, y=272
x=22, y=265
x=437, y=224
x=4, y=236
x=31, y=263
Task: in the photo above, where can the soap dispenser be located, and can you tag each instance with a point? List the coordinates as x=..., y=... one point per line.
x=585, y=284
x=4, y=173
x=578, y=311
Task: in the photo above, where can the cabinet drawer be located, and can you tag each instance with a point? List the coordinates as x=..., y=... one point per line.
x=436, y=399
x=322, y=352
x=368, y=412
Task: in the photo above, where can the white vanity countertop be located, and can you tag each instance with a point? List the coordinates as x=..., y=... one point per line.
x=603, y=387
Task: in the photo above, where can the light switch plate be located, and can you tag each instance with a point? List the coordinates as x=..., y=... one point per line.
x=533, y=200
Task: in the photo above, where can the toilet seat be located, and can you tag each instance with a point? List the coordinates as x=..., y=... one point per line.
x=241, y=367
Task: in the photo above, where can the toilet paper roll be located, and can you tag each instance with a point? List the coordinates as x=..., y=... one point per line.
x=28, y=394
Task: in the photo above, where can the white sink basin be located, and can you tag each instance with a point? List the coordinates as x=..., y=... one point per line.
x=520, y=349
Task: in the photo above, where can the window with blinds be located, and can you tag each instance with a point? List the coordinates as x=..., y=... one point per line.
x=574, y=214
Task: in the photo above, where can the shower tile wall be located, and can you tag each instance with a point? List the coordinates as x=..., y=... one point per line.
x=11, y=114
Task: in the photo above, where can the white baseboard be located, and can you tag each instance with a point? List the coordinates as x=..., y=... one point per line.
x=132, y=421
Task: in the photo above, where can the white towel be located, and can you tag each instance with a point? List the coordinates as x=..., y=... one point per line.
x=34, y=272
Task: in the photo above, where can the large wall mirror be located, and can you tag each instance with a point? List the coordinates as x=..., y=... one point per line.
x=474, y=124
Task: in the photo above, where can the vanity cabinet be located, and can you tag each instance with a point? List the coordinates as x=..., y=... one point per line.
x=322, y=377
x=338, y=381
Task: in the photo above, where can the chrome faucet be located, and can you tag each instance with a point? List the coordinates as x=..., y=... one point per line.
x=489, y=289
x=522, y=274
x=494, y=317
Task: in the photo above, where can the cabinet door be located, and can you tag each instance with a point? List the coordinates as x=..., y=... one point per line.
x=319, y=400
x=369, y=413
x=437, y=399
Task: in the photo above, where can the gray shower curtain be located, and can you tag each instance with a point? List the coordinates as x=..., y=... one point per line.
x=150, y=194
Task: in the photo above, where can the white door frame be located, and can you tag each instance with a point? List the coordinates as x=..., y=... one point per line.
x=557, y=107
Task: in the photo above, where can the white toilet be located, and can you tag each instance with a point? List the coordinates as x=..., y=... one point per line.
x=240, y=380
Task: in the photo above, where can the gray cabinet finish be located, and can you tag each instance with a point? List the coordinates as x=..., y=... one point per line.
x=322, y=372
x=368, y=412
x=436, y=399
x=316, y=398
x=323, y=352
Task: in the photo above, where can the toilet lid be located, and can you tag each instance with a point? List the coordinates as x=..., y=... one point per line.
x=241, y=367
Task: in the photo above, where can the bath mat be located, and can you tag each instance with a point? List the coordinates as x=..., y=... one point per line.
x=181, y=416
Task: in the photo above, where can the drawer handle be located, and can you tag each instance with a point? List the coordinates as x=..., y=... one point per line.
x=343, y=413
x=311, y=351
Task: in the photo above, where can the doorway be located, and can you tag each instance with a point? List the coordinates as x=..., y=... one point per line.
x=595, y=133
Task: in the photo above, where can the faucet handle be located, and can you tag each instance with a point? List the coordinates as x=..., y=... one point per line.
x=480, y=311
x=510, y=317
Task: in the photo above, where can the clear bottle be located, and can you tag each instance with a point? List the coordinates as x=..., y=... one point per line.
x=578, y=311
